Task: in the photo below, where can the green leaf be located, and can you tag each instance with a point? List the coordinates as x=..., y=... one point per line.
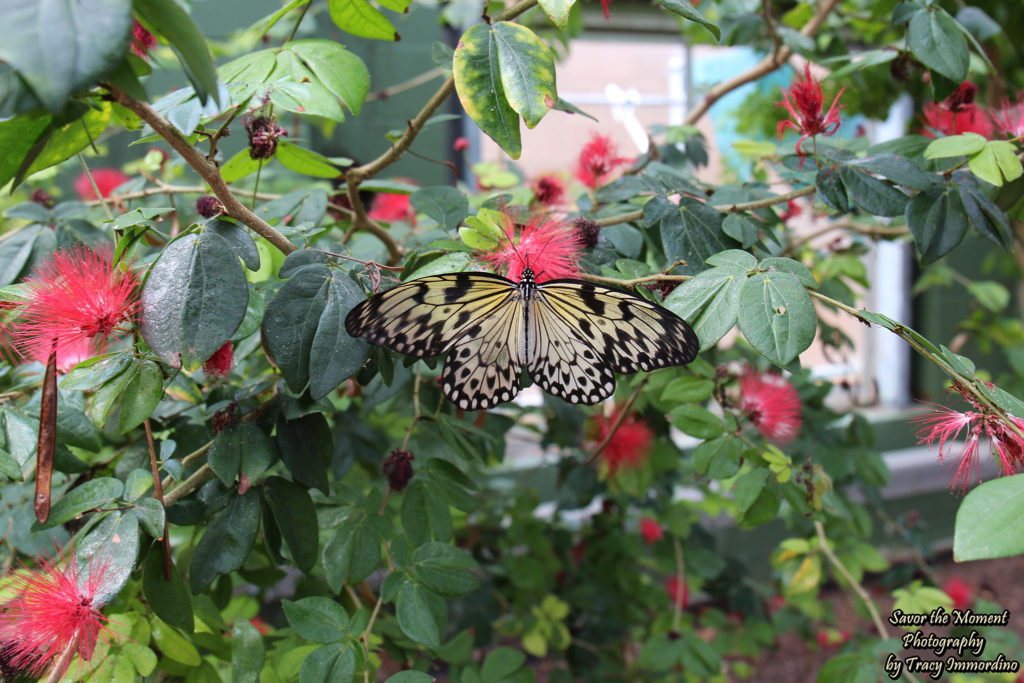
x=995, y=162
x=988, y=521
x=141, y=396
x=478, y=83
x=318, y=619
x=425, y=515
x=60, y=48
x=872, y=194
x=151, y=516
x=305, y=161
x=696, y=421
x=936, y=40
x=242, y=447
x=416, y=617
x=718, y=458
x=303, y=327
x=64, y=139
x=741, y=228
x=691, y=232
x=169, y=20
x=110, y=548
x=194, y=299
x=247, y=652
x=446, y=205
x=501, y=663
x=690, y=389
x=830, y=188
x=352, y=553
x=169, y=600
x=95, y=493
x=787, y=265
x=296, y=519
x=227, y=541
x=777, y=316
x=990, y=294
x=527, y=70
x=360, y=18
x=938, y=222
x=687, y=11
x=18, y=139
x=899, y=170
x=340, y=72
x=984, y=214
x=966, y=144
x=332, y=662
x=445, y=569
x=558, y=11
x=239, y=166
x=174, y=646
x=410, y=676
x=306, y=447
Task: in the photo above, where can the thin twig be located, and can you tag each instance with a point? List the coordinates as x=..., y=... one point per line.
x=189, y=485
x=677, y=613
x=409, y=84
x=876, y=618
x=96, y=190
x=158, y=491
x=618, y=422
x=206, y=169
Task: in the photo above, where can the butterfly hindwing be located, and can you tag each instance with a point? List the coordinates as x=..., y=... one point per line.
x=424, y=317
x=563, y=362
x=630, y=332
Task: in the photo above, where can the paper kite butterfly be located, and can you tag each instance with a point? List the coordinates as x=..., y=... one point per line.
x=570, y=335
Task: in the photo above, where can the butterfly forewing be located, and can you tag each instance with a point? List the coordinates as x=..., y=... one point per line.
x=631, y=333
x=424, y=317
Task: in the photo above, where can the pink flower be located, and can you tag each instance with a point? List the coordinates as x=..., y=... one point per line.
x=651, y=530
x=792, y=209
x=142, y=40
x=598, y=158
x=604, y=6
x=772, y=404
x=677, y=591
x=959, y=591
x=944, y=426
x=460, y=144
x=107, y=180
x=545, y=244
x=804, y=102
x=1010, y=118
x=392, y=206
x=55, y=615
x=219, y=364
x=956, y=114
x=76, y=300
x=549, y=190
x=628, y=446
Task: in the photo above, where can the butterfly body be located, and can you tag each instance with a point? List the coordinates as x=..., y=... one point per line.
x=570, y=335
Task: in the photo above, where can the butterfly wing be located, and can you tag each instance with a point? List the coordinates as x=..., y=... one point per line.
x=477, y=317
x=609, y=330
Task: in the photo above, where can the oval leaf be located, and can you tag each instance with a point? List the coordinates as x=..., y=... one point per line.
x=777, y=316
x=479, y=86
x=527, y=70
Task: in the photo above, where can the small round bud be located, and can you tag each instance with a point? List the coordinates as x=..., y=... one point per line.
x=398, y=469
x=42, y=197
x=586, y=231
x=263, y=135
x=208, y=207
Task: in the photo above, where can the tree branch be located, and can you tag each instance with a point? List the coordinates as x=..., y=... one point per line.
x=206, y=169
x=770, y=63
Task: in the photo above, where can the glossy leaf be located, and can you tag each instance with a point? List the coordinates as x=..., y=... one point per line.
x=987, y=521
x=871, y=194
x=687, y=11
x=479, y=86
x=295, y=516
x=318, y=619
x=360, y=18
x=227, y=541
x=111, y=547
x=710, y=301
x=169, y=600
x=247, y=652
x=305, y=161
x=141, y=396
x=352, y=553
x=306, y=447
x=60, y=47
x=938, y=222
x=558, y=11
x=446, y=205
x=936, y=40
x=445, y=569
x=194, y=299
x=95, y=493
x=996, y=163
x=527, y=70
x=777, y=316
x=243, y=447
x=332, y=662
x=169, y=20
x=416, y=615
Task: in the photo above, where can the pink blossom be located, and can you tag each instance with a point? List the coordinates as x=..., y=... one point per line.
x=629, y=445
x=959, y=591
x=678, y=592
x=598, y=158
x=460, y=144
x=651, y=530
x=549, y=190
x=1009, y=118
x=805, y=103
x=772, y=404
x=547, y=245
x=219, y=364
x=956, y=114
x=107, y=180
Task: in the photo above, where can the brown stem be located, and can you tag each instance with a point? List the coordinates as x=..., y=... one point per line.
x=770, y=63
x=47, y=437
x=188, y=486
x=158, y=491
x=409, y=84
x=206, y=169
x=618, y=423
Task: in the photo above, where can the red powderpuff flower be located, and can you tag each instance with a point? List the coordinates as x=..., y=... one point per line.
x=677, y=591
x=460, y=144
x=651, y=530
x=944, y=426
x=75, y=300
x=547, y=245
x=805, y=103
x=598, y=158
x=107, y=180
x=1010, y=118
x=630, y=444
x=55, y=615
x=142, y=40
x=391, y=206
x=604, y=6
x=956, y=114
x=549, y=190
x=959, y=591
x=772, y=404
x=219, y=364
